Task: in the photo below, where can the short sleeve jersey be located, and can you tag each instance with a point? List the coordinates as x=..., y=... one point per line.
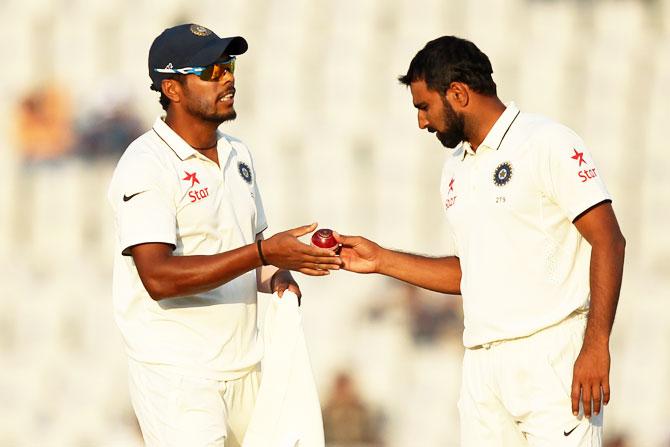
x=510, y=207
x=166, y=192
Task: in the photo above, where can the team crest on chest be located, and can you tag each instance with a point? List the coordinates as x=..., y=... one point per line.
x=502, y=174
x=245, y=171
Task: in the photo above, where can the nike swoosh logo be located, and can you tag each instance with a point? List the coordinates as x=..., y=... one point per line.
x=567, y=433
x=126, y=198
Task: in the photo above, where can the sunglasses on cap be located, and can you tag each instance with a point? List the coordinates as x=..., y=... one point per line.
x=212, y=72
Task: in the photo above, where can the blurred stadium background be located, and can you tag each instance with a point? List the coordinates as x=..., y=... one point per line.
x=335, y=140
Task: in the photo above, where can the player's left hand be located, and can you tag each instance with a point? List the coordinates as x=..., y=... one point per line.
x=283, y=280
x=590, y=379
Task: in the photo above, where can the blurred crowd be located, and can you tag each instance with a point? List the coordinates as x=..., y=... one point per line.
x=49, y=128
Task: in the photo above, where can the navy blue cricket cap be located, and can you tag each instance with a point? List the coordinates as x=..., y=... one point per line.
x=189, y=45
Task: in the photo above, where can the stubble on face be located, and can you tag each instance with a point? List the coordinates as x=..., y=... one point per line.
x=206, y=108
x=454, y=125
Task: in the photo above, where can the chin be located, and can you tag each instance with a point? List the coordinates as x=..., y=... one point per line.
x=447, y=142
x=229, y=115
x=221, y=117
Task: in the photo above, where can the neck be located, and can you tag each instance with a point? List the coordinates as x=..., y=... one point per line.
x=482, y=121
x=198, y=133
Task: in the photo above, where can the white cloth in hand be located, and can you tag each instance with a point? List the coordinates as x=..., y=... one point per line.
x=287, y=411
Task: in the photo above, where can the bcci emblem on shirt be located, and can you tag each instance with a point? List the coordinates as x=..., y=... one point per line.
x=502, y=174
x=245, y=172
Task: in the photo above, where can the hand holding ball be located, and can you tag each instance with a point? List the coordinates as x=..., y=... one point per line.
x=324, y=238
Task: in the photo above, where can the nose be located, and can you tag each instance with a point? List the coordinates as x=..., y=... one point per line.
x=422, y=121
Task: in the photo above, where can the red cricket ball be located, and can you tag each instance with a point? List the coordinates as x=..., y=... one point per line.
x=324, y=238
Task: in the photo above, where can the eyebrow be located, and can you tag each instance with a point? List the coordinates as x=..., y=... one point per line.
x=420, y=105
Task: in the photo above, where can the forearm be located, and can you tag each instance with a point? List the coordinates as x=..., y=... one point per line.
x=167, y=276
x=437, y=274
x=176, y=276
x=606, y=272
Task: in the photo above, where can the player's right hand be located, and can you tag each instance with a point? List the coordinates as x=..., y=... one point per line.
x=286, y=251
x=358, y=254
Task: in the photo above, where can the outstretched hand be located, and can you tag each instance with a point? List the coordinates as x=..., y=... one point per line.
x=358, y=254
x=286, y=251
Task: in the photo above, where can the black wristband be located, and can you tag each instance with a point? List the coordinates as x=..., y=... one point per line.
x=260, y=252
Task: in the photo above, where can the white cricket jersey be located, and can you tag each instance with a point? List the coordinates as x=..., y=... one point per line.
x=510, y=207
x=165, y=191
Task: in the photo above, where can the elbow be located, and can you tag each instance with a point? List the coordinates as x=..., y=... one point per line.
x=620, y=244
x=157, y=296
x=157, y=290
x=612, y=242
x=617, y=248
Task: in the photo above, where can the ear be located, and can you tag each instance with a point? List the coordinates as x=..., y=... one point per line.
x=172, y=89
x=459, y=94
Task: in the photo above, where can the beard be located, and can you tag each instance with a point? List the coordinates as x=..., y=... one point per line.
x=206, y=111
x=455, y=125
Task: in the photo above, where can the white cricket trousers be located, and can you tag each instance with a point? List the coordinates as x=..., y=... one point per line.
x=517, y=392
x=179, y=411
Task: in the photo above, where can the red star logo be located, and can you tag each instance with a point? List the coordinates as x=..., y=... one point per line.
x=192, y=178
x=579, y=156
x=451, y=184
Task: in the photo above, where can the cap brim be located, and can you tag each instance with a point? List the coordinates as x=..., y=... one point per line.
x=213, y=51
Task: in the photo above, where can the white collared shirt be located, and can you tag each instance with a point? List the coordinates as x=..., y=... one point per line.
x=510, y=207
x=165, y=191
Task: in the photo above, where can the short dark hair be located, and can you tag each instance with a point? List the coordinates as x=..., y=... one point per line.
x=164, y=100
x=450, y=59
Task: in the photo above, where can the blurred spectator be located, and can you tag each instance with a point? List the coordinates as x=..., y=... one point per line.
x=44, y=130
x=430, y=317
x=348, y=421
x=433, y=316
x=111, y=125
x=617, y=440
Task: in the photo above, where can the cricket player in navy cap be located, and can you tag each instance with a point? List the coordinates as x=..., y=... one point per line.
x=191, y=255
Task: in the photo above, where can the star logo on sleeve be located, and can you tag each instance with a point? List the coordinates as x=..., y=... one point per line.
x=451, y=195
x=192, y=177
x=579, y=156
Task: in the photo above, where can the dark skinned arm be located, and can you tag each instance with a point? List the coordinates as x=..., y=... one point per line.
x=600, y=228
x=167, y=276
x=361, y=255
